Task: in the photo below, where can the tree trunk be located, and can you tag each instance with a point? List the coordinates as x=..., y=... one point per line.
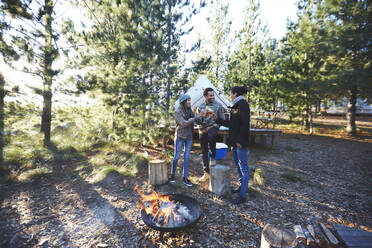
x=306, y=122
x=169, y=34
x=46, y=117
x=2, y=96
x=114, y=112
x=219, y=182
x=351, y=111
x=158, y=172
x=317, y=108
x=310, y=117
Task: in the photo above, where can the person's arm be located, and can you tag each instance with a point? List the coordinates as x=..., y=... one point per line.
x=222, y=121
x=201, y=115
x=244, y=122
x=181, y=120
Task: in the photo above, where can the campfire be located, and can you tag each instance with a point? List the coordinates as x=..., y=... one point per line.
x=164, y=211
x=168, y=212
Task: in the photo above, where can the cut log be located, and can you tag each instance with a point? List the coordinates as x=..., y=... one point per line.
x=309, y=239
x=319, y=237
x=273, y=236
x=332, y=239
x=300, y=236
x=158, y=172
x=219, y=181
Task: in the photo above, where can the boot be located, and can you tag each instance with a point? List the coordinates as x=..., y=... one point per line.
x=237, y=190
x=238, y=200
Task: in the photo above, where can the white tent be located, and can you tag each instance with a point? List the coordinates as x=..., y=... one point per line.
x=196, y=93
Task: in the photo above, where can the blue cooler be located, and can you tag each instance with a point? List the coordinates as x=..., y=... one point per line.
x=221, y=151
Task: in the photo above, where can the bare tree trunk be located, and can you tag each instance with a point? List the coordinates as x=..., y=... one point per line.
x=114, y=112
x=317, y=108
x=310, y=117
x=169, y=34
x=2, y=96
x=306, y=122
x=46, y=117
x=351, y=111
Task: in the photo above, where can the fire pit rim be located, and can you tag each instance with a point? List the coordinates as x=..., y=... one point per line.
x=181, y=198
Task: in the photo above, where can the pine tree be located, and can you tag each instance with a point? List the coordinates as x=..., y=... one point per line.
x=2, y=96
x=348, y=33
x=247, y=64
x=220, y=27
x=15, y=9
x=305, y=75
x=131, y=56
x=33, y=39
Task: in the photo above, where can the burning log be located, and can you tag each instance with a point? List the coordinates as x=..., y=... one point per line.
x=164, y=212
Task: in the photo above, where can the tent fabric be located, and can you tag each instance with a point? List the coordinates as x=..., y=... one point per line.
x=196, y=93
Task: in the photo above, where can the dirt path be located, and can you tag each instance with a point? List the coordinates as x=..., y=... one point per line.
x=305, y=177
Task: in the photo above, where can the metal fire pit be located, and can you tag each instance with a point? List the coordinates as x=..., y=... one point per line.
x=189, y=202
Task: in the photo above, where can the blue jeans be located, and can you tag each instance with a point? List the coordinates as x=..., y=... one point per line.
x=241, y=161
x=178, y=147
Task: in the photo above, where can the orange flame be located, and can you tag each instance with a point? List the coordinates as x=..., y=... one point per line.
x=157, y=205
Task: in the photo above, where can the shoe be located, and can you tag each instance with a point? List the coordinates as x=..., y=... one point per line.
x=237, y=190
x=187, y=182
x=205, y=177
x=172, y=179
x=238, y=200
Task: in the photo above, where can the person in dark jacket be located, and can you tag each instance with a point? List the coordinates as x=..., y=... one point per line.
x=185, y=119
x=238, y=125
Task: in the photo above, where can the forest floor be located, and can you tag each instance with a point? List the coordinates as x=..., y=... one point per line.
x=325, y=176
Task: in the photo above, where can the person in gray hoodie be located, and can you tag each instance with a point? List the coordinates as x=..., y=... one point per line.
x=185, y=119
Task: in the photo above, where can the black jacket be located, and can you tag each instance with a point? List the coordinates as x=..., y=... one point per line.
x=238, y=124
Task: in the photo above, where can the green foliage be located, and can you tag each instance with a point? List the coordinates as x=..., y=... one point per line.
x=304, y=64
x=291, y=176
x=292, y=149
x=219, y=43
x=252, y=192
x=118, y=159
x=31, y=34
x=34, y=174
x=254, y=62
x=258, y=176
x=131, y=57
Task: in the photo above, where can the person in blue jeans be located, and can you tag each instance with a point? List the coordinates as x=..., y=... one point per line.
x=185, y=119
x=238, y=125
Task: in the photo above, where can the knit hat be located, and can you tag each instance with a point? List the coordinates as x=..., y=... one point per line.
x=184, y=97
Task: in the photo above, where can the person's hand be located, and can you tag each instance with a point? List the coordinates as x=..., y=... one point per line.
x=195, y=110
x=238, y=145
x=207, y=129
x=203, y=114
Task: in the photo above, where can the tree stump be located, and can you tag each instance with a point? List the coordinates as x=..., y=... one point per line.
x=273, y=236
x=219, y=181
x=158, y=172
